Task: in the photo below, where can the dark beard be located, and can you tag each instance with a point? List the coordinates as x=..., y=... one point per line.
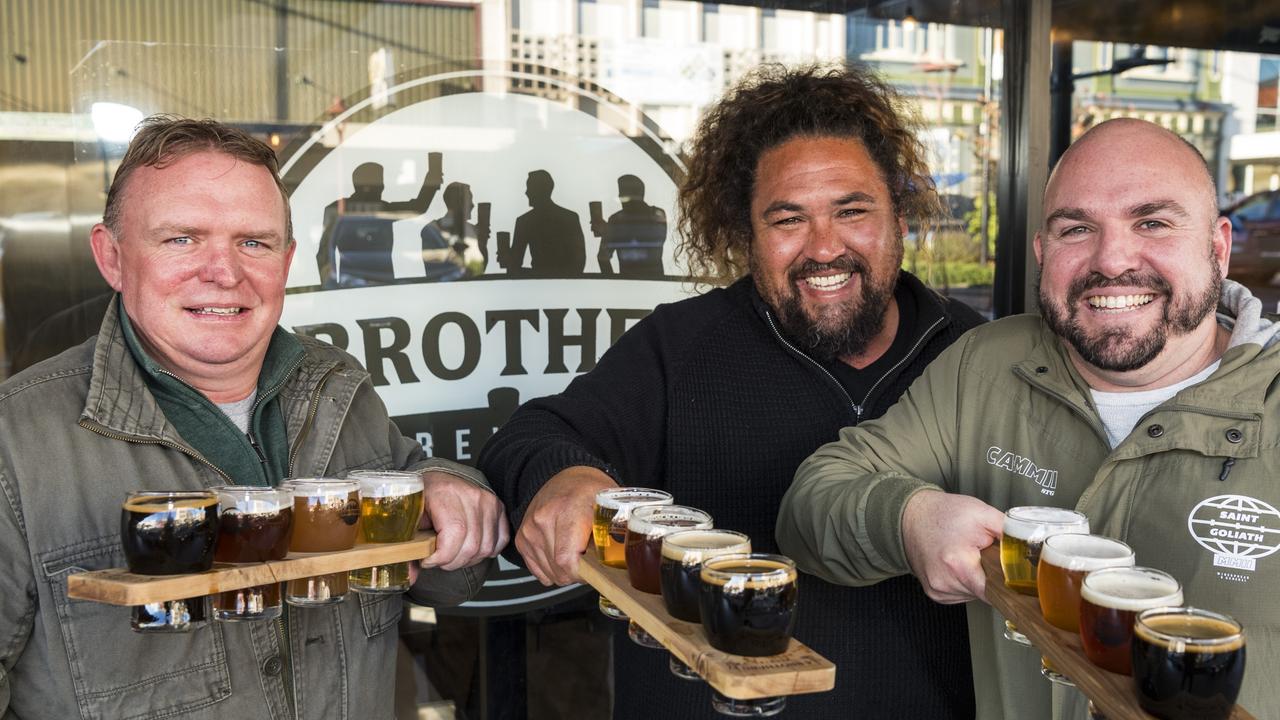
x=862, y=318
x=1108, y=350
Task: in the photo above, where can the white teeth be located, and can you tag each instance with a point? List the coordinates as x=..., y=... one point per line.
x=1120, y=302
x=217, y=311
x=827, y=281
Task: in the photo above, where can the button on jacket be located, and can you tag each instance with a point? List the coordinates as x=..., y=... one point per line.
x=80, y=431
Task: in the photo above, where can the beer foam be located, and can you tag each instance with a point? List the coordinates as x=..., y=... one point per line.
x=320, y=487
x=747, y=572
x=1084, y=552
x=1182, y=632
x=1131, y=589
x=695, y=545
x=163, y=504
x=387, y=484
x=1033, y=522
x=618, y=498
x=665, y=519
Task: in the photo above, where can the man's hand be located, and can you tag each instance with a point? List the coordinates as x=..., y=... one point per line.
x=557, y=524
x=469, y=522
x=943, y=535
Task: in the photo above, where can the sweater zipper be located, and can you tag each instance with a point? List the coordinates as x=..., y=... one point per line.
x=857, y=409
x=928, y=333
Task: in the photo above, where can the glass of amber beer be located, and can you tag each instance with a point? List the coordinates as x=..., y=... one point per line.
x=325, y=514
x=748, y=607
x=1064, y=561
x=643, y=550
x=1025, y=528
x=1109, y=600
x=169, y=533
x=254, y=525
x=678, y=574
x=390, y=506
x=613, y=510
x=1188, y=663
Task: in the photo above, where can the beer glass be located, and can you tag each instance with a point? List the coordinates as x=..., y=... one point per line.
x=1109, y=600
x=390, y=507
x=1025, y=528
x=609, y=528
x=1064, y=561
x=325, y=514
x=1187, y=663
x=254, y=525
x=748, y=607
x=678, y=573
x=169, y=533
x=643, y=550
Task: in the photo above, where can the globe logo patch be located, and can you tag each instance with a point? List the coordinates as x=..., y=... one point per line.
x=1237, y=529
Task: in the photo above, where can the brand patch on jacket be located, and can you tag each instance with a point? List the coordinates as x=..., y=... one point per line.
x=1044, y=477
x=1238, y=530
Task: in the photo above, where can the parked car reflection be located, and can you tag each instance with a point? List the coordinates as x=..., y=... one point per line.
x=1255, y=238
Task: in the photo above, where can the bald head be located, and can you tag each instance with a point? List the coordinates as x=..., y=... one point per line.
x=1131, y=146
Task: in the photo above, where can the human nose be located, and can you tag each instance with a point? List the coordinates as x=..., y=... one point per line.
x=220, y=265
x=1115, y=252
x=823, y=243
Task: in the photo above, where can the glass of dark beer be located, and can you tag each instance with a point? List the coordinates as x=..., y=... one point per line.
x=1188, y=663
x=678, y=574
x=254, y=525
x=748, y=607
x=390, y=506
x=325, y=516
x=169, y=533
x=1109, y=600
x=643, y=551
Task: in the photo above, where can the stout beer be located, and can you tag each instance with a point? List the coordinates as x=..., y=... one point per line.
x=1109, y=601
x=682, y=556
x=748, y=603
x=1187, y=663
x=390, y=506
x=169, y=533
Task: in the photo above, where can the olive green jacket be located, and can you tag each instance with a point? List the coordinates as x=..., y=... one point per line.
x=77, y=433
x=1002, y=415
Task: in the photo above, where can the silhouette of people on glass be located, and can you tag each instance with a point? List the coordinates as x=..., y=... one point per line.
x=636, y=233
x=452, y=241
x=552, y=234
x=356, y=246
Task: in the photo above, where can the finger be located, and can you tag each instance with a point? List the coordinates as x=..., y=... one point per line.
x=533, y=559
x=449, y=534
x=470, y=535
x=504, y=534
x=413, y=573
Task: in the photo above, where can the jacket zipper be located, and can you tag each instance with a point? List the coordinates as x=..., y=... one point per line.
x=858, y=409
x=190, y=452
x=311, y=416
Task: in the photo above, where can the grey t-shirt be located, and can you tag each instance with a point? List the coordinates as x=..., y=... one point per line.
x=239, y=411
x=1121, y=411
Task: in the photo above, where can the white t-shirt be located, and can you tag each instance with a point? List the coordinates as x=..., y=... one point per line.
x=1121, y=411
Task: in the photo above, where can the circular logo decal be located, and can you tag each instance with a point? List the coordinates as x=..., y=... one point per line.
x=1236, y=526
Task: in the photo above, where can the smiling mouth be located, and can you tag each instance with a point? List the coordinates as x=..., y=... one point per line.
x=827, y=282
x=216, y=311
x=1119, y=303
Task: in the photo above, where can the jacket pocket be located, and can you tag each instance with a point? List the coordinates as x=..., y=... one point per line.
x=118, y=673
x=380, y=612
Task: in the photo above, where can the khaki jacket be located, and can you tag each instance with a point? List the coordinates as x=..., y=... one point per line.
x=1002, y=415
x=79, y=431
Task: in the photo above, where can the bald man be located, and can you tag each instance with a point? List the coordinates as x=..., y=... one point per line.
x=1130, y=400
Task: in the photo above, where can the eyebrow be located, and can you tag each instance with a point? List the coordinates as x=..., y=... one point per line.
x=175, y=230
x=1158, y=206
x=785, y=206
x=1067, y=213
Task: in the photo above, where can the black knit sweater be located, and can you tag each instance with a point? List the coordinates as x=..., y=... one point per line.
x=706, y=400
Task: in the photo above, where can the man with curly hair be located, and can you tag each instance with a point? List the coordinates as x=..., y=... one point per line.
x=801, y=187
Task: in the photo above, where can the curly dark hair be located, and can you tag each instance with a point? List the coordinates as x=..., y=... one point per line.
x=770, y=106
x=162, y=140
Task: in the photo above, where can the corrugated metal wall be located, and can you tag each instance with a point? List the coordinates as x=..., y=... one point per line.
x=217, y=57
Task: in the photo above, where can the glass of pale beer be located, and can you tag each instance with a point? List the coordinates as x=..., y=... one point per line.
x=613, y=510
x=390, y=507
x=326, y=513
x=254, y=526
x=1025, y=528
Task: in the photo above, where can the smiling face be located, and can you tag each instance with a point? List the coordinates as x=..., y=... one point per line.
x=200, y=263
x=1132, y=254
x=826, y=245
